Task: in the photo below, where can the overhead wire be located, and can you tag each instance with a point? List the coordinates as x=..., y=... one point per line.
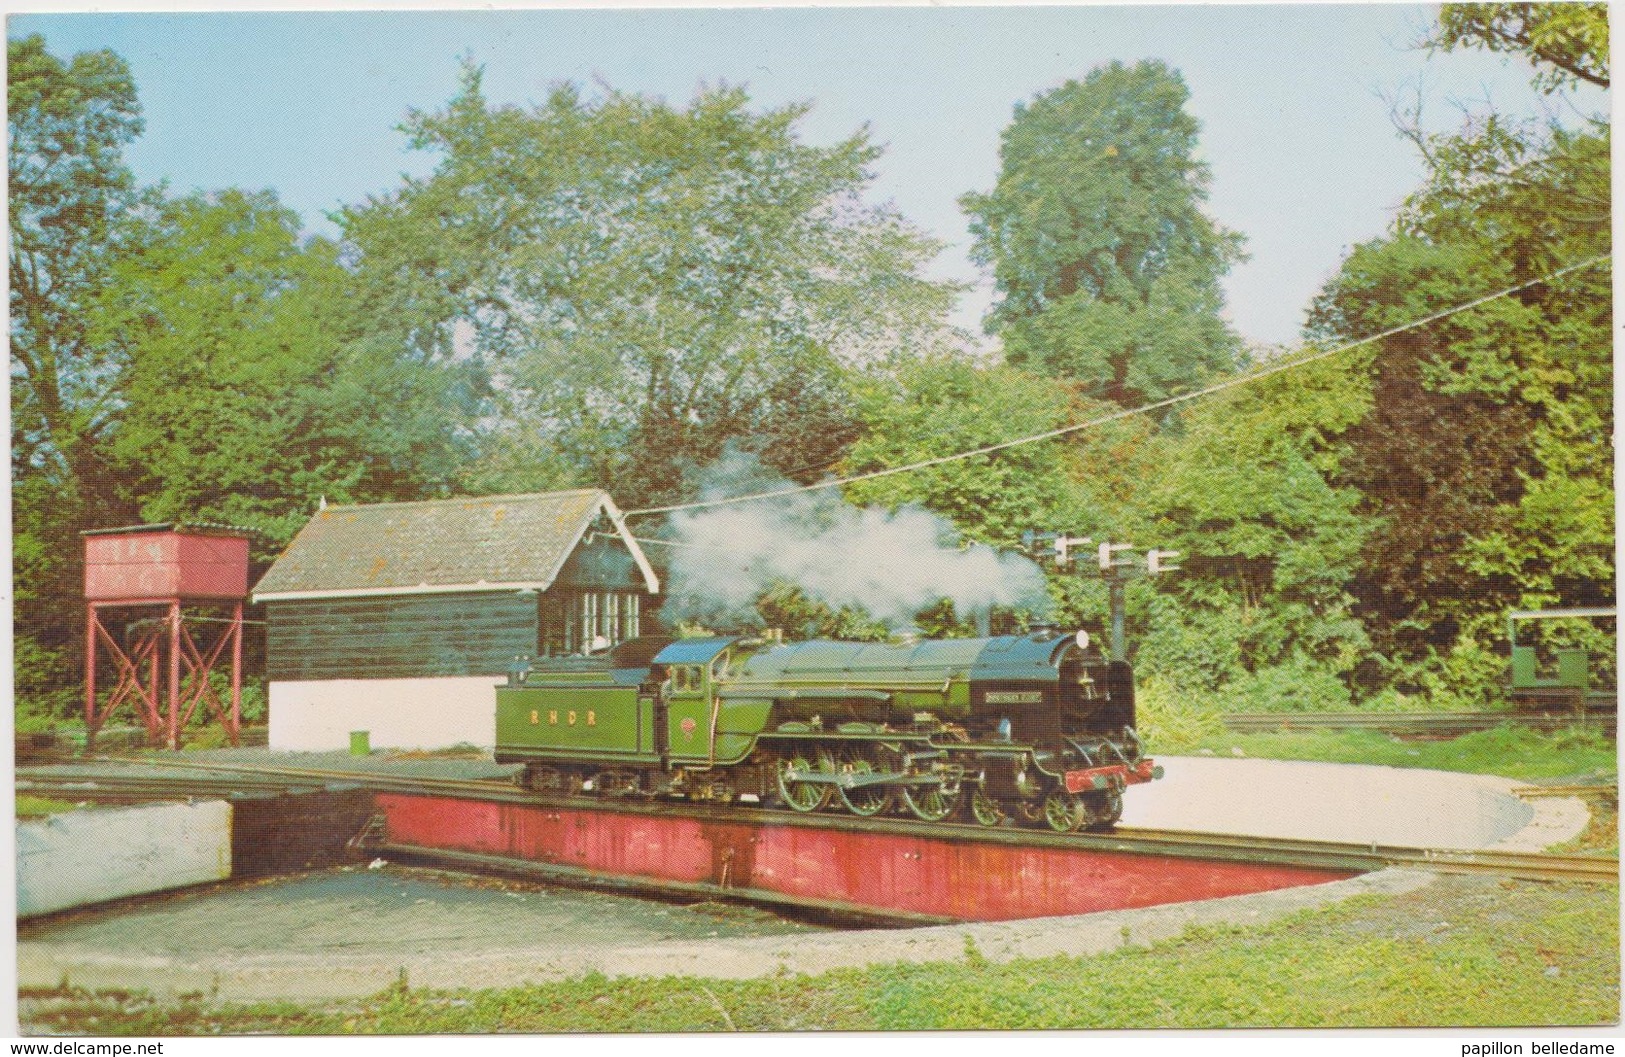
x=1217, y=387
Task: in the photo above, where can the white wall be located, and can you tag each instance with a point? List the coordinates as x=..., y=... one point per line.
x=431, y=713
x=89, y=856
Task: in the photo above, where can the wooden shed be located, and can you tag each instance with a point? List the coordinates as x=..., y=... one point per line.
x=399, y=618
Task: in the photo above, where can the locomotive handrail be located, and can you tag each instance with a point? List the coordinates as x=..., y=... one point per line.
x=811, y=694
x=897, y=684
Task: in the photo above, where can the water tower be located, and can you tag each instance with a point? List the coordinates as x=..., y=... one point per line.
x=178, y=592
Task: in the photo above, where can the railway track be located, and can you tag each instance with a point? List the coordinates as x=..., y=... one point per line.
x=1416, y=723
x=254, y=780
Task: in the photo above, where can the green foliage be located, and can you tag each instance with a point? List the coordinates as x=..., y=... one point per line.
x=70, y=196
x=1106, y=268
x=1487, y=455
x=1568, y=43
x=252, y=387
x=1238, y=484
x=786, y=606
x=919, y=408
x=70, y=201
x=645, y=283
x=1173, y=720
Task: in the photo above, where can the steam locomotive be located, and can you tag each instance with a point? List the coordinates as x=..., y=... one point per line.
x=1038, y=728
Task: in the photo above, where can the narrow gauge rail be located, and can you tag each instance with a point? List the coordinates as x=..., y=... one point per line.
x=1421, y=723
x=1582, y=792
x=1168, y=843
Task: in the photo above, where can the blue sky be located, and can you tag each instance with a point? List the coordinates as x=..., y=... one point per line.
x=1296, y=127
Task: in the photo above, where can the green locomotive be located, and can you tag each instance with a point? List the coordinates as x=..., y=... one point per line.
x=1037, y=727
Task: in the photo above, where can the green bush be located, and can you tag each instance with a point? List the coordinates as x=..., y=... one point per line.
x=1297, y=685
x=1172, y=719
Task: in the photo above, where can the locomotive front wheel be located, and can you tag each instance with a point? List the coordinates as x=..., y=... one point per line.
x=1064, y=812
x=984, y=809
x=1104, y=810
x=865, y=800
x=801, y=796
x=930, y=803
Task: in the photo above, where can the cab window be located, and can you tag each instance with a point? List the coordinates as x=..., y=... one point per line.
x=685, y=677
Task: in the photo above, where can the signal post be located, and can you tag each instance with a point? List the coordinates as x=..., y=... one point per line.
x=1113, y=562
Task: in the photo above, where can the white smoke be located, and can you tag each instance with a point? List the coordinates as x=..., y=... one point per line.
x=892, y=564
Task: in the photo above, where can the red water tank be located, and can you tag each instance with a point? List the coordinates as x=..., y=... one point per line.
x=166, y=561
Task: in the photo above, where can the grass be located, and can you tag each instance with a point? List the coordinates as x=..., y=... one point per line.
x=1458, y=952
x=1508, y=750
x=39, y=806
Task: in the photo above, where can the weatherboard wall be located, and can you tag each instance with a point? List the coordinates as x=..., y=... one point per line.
x=399, y=636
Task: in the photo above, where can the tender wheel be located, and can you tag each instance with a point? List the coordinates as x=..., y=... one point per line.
x=1064, y=812
x=930, y=803
x=800, y=796
x=1104, y=810
x=984, y=809
x=864, y=800
x=540, y=779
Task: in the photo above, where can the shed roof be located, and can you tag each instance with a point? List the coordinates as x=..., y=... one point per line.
x=501, y=542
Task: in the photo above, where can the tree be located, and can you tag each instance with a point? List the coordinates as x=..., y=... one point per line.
x=920, y=408
x=646, y=283
x=70, y=199
x=1570, y=39
x=1488, y=453
x=70, y=195
x=1244, y=491
x=253, y=385
x=1106, y=267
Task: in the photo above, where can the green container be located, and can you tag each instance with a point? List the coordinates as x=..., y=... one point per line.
x=1523, y=668
x=360, y=743
x=1573, y=669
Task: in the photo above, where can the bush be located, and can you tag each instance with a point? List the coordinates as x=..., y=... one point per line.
x=1296, y=685
x=1469, y=677
x=1172, y=719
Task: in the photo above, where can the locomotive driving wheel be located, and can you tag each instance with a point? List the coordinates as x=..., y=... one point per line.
x=800, y=795
x=1065, y=812
x=864, y=800
x=931, y=803
x=984, y=809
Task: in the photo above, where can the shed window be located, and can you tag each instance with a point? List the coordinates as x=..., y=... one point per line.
x=584, y=622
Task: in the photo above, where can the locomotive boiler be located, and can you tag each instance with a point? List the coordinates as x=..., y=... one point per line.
x=1039, y=728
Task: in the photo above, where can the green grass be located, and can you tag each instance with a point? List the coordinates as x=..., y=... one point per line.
x=1507, y=750
x=1459, y=952
x=39, y=806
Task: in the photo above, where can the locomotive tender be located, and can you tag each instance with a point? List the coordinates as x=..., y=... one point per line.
x=1036, y=727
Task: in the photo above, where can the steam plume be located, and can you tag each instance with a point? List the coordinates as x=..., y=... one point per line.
x=891, y=564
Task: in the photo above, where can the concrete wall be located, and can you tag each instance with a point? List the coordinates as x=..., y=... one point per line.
x=317, y=716
x=90, y=856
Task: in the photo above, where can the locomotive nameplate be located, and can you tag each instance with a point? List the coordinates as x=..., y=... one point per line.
x=1015, y=697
